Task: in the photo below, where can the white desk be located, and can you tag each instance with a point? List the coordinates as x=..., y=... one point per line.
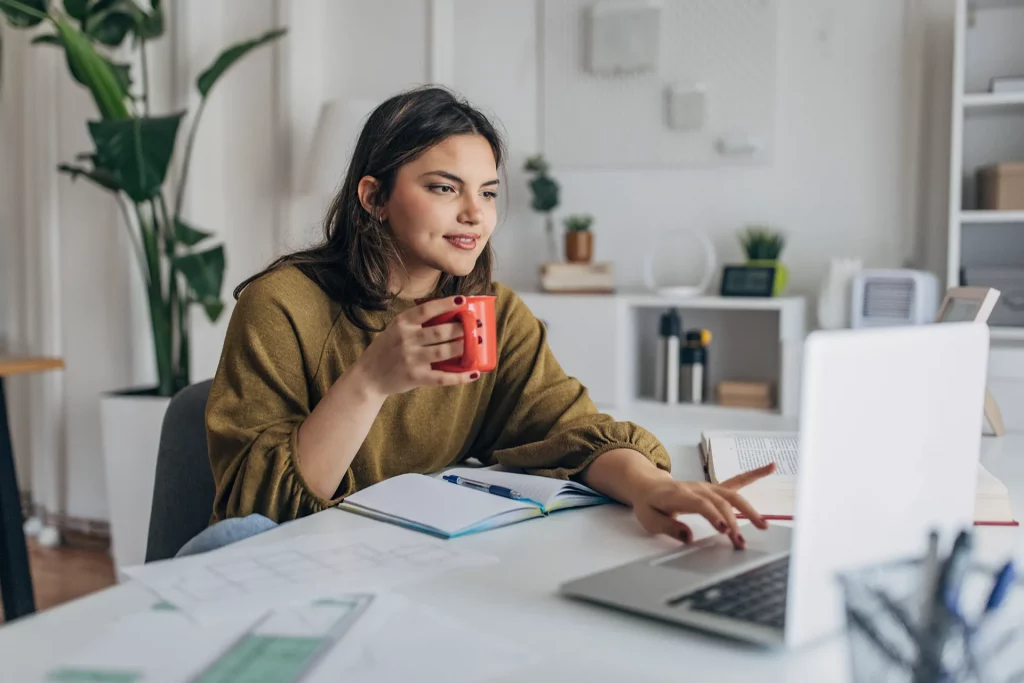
x=517, y=599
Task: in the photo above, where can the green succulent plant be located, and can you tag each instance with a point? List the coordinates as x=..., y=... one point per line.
x=762, y=243
x=578, y=222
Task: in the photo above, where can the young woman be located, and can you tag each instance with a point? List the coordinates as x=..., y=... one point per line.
x=325, y=384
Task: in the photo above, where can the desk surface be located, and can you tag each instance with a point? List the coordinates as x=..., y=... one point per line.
x=517, y=599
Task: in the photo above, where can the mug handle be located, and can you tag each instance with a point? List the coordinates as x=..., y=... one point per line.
x=471, y=348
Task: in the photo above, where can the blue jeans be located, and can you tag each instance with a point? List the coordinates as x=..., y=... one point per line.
x=226, y=532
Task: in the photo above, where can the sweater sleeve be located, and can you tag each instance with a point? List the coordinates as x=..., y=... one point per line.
x=543, y=421
x=258, y=400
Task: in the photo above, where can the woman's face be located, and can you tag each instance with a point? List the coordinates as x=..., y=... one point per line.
x=443, y=208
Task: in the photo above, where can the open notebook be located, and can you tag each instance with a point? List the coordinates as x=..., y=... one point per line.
x=726, y=454
x=435, y=506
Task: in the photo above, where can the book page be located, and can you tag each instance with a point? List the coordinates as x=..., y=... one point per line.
x=544, y=490
x=989, y=485
x=733, y=453
x=756, y=451
x=433, y=502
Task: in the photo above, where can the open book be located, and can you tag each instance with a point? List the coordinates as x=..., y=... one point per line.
x=442, y=508
x=726, y=454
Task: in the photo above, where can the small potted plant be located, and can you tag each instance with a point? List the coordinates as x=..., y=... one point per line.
x=763, y=245
x=579, y=240
x=545, y=198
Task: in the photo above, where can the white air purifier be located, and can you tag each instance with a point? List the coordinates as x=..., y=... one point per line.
x=887, y=298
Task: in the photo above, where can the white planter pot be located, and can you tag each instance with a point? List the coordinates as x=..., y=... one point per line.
x=131, y=438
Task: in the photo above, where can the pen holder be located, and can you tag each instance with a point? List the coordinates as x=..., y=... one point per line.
x=896, y=636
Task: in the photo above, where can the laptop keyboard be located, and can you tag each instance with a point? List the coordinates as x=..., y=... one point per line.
x=757, y=596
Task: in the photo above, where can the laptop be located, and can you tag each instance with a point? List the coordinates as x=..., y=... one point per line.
x=890, y=433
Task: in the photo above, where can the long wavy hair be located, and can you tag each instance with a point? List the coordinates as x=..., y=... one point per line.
x=353, y=262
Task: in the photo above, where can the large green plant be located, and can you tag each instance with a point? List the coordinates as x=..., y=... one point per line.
x=131, y=156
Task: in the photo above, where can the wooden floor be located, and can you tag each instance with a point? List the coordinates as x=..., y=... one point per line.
x=63, y=574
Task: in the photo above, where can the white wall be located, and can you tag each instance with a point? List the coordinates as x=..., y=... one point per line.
x=835, y=185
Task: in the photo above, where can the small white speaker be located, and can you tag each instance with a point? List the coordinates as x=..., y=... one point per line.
x=884, y=298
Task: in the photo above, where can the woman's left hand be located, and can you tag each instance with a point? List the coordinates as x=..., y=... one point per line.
x=658, y=503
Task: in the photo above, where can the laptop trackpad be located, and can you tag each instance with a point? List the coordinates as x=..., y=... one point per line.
x=711, y=559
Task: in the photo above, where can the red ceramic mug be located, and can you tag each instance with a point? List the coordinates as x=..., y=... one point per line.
x=477, y=317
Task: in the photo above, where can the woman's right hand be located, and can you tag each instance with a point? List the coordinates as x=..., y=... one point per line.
x=399, y=358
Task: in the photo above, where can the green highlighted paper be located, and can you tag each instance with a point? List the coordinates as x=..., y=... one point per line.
x=282, y=646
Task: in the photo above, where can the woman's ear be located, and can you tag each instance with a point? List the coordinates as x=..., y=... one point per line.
x=367, y=189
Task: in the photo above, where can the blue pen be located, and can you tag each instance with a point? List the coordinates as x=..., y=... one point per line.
x=1001, y=587
x=503, y=491
x=952, y=574
x=945, y=609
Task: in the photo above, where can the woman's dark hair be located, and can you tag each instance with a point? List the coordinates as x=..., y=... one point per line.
x=353, y=262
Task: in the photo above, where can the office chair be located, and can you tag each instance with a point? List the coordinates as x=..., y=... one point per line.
x=183, y=491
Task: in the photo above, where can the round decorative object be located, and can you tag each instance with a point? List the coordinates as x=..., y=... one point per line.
x=690, y=256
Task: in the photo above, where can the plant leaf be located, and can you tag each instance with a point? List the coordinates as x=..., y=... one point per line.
x=137, y=150
x=101, y=176
x=151, y=25
x=98, y=75
x=204, y=273
x=122, y=72
x=19, y=18
x=112, y=24
x=77, y=9
x=208, y=78
x=545, y=193
x=187, y=235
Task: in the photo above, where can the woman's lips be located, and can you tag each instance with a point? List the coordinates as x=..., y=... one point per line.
x=464, y=242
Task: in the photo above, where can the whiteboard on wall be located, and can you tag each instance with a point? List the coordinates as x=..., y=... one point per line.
x=725, y=47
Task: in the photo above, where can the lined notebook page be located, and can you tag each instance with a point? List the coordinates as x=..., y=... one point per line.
x=433, y=502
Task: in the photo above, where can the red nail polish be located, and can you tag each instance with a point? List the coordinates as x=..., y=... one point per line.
x=474, y=375
x=479, y=340
x=742, y=541
x=479, y=323
x=459, y=301
x=722, y=527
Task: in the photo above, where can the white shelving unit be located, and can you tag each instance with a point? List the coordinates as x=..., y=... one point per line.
x=986, y=102
x=608, y=342
x=987, y=128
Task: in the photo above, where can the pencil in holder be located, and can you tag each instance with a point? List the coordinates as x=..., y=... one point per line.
x=896, y=634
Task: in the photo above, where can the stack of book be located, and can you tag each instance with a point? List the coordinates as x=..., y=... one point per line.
x=745, y=394
x=577, y=278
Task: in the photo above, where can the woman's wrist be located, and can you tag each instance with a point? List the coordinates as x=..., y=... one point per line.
x=360, y=383
x=624, y=474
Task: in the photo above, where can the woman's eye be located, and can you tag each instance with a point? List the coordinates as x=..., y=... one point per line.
x=491, y=195
x=442, y=189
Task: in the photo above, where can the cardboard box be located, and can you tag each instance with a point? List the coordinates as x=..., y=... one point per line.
x=736, y=394
x=1001, y=187
x=577, y=278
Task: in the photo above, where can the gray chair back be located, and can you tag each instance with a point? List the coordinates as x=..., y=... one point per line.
x=183, y=491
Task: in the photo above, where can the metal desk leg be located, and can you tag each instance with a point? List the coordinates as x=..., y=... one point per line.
x=15, y=579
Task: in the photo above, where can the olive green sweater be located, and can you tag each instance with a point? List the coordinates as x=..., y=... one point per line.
x=287, y=343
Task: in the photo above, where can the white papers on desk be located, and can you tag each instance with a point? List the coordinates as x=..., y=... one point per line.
x=249, y=580
x=363, y=638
